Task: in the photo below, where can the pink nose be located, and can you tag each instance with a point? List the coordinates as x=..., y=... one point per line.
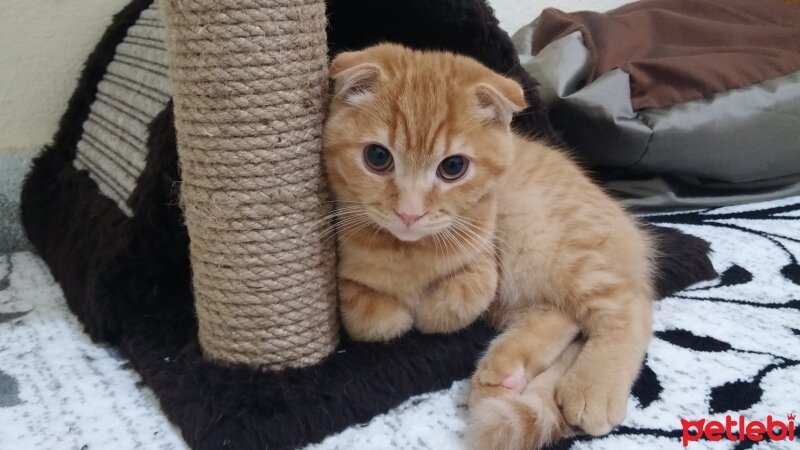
x=409, y=219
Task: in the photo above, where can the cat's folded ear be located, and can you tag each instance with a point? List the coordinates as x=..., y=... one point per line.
x=354, y=77
x=498, y=99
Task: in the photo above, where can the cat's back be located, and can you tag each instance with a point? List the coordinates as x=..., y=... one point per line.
x=545, y=179
x=552, y=214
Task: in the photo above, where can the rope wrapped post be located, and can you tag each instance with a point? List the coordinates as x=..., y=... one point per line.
x=249, y=80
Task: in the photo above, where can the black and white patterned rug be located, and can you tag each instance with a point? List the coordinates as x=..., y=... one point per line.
x=730, y=347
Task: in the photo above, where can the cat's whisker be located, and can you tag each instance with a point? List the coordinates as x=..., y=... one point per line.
x=339, y=227
x=484, y=237
x=359, y=205
x=350, y=220
x=497, y=234
x=348, y=207
x=330, y=234
x=375, y=231
x=469, y=219
x=356, y=229
x=332, y=226
x=346, y=222
x=436, y=244
x=345, y=201
x=473, y=286
x=327, y=221
x=456, y=243
x=446, y=244
x=442, y=243
x=337, y=236
x=457, y=228
x=328, y=215
x=335, y=213
x=499, y=244
x=475, y=256
x=340, y=214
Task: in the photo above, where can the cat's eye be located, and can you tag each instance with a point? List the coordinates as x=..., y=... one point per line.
x=378, y=158
x=452, y=168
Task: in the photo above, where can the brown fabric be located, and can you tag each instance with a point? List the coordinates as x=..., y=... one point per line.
x=679, y=50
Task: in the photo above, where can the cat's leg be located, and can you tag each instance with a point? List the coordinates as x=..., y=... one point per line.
x=593, y=395
x=458, y=299
x=503, y=419
x=530, y=343
x=369, y=315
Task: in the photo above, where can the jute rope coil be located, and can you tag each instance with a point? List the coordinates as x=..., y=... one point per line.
x=249, y=80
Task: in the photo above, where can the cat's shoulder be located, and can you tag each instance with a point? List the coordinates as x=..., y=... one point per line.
x=544, y=153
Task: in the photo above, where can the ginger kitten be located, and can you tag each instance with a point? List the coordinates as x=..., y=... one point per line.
x=444, y=214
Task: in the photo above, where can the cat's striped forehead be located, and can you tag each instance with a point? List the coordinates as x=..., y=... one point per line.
x=421, y=129
x=427, y=110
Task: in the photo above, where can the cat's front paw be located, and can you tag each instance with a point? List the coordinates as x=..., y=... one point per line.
x=592, y=402
x=501, y=369
x=455, y=301
x=369, y=315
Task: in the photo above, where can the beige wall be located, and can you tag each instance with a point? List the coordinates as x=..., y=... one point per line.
x=43, y=44
x=514, y=14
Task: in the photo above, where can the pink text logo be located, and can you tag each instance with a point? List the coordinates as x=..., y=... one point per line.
x=738, y=430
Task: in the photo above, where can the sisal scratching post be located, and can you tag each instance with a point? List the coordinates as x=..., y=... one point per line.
x=249, y=79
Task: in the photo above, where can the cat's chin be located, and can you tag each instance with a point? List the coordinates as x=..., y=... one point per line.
x=407, y=235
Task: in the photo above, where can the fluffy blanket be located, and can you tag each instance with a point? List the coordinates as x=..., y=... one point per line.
x=728, y=347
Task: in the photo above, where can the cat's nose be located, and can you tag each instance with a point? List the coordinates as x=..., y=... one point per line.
x=408, y=219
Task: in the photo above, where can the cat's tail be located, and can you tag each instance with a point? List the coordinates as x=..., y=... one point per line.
x=503, y=419
x=515, y=422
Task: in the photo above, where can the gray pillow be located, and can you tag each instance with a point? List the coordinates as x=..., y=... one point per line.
x=734, y=146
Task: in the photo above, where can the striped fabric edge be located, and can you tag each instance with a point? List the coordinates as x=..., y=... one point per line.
x=135, y=88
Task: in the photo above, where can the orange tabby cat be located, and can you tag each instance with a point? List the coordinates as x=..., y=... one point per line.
x=445, y=214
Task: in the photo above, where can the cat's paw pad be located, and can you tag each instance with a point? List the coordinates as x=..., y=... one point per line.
x=591, y=406
x=516, y=380
x=506, y=375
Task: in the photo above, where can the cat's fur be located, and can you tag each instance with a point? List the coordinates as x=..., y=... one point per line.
x=524, y=238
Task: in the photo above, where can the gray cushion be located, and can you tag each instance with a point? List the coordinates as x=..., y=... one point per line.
x=747, y=137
